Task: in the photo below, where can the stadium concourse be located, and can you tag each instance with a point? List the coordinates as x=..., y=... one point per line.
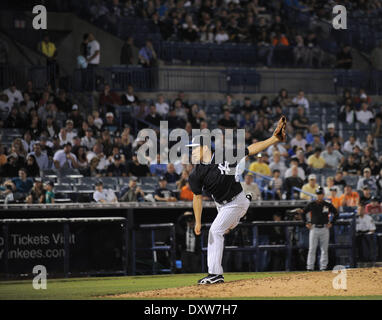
x=72, y=137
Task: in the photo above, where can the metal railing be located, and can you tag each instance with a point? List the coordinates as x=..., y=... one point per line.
x=288, y=246
x=155, y=247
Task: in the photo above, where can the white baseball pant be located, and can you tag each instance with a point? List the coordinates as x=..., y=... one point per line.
x=227, y=218
x=318, y=236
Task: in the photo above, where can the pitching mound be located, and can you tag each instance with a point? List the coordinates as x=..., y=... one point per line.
x=360, y=282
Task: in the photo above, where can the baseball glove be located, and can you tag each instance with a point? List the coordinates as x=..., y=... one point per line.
x=279, y=132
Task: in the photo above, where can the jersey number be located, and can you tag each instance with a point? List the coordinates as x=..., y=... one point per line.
x=224, y=169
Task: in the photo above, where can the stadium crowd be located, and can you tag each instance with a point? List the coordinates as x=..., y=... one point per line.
x=56, y=135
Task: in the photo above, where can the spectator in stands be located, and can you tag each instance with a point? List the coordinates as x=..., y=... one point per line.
x=339, y=181
x=277, y=163
x=365, y=195
x=49, y=50
x=108, y=97
x=293, y=181
x=331, y=157
x=88, y=141
x=350, y=167
x=283, y=99
x=260, y=166
x=11, y=168
x=247, y=122
x=365, y=235
x=14, y=119
x=300, y=52
x=310, y=188
x=329, y=185
x=276, y=184
x=316, y=161
x=334, y=198
x=350, y=144
x=132, y=193
x=367, y=181
x=189, y=30
x=349, y=198
x=134, y=168
x=102, y=195
x=147, y=55
x=62, y=102
x=300, y=100
x=19, y=186
x=229, y=104
x=162, y=106
x=294, y=162
x=31, y=166
x=93, y=57
x=364, y=115
x=129, y=53
x=50, y=126
x=153, y=117
x=129, y=98
x=37, y=193
x=361, y=98
x=96, y=121
x=298, y=141
x=67, y=133
x=163, y=193
x=250, y=187
x=344, y=58
x=373, y=207
x=330, y=134
x=347, y=113
x=65, y=158
x=110, y=124
x=221, y=36
x=227, y=122
x=117, y=168
x=49, y=194
x=171, y=176
x=76, y=117
x=376, y=57
x=264, y=48
x=185, y=193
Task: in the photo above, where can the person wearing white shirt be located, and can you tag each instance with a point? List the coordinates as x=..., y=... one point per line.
x=41, y=157
x=98, y=152
x=364, y=115
x=300, y=100
x=221, y=36
x=365, y=228
x=278, y=163
x=68, y=133
x=162, y=106
x=102, y=195
x=251, y=188
x=298, y=141
x=300, y=172
x=14, y=95
x=64, y=158
x=88, y=141
x=350, y=144
x=94, y=51
x=332, y=157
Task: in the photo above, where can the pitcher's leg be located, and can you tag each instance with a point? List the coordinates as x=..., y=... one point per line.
x=227, y=219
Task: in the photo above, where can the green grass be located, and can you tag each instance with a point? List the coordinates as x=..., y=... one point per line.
x=92, y=288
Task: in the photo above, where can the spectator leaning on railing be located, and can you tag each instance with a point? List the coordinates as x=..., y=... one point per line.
x=102, y=195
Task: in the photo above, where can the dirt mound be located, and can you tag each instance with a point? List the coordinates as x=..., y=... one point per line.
x=360, y=282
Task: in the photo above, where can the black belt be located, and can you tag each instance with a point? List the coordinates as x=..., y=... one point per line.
x=319, y=226
x=228, y=200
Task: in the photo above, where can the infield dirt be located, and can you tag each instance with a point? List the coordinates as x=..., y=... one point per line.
x=360, y=282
